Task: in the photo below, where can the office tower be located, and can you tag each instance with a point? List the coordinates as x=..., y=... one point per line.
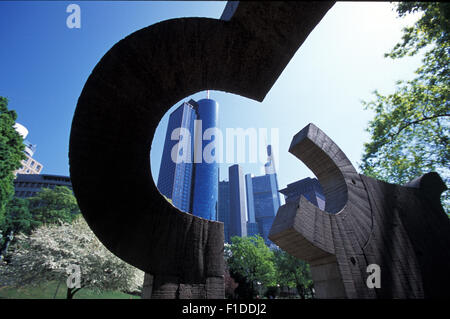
x=184, y=176
x=252, y=226
x=265, y=201
x=269, y=167
x=263, y=192
x=175, y=174
x=206, y=175
x=308, y=187
x=223, y=208
x=29, y=165
x=248, y=204
x=238, y=203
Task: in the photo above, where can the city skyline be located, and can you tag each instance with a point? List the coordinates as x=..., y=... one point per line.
x=338, y=66
x=248, y=204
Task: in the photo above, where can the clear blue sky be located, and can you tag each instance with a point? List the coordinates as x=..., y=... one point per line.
x=45, y=65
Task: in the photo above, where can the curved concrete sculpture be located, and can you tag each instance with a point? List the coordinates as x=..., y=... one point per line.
x=121, y=104
x=402, y=229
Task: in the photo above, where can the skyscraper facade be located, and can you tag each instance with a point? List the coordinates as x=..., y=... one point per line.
x=206, y=175
x=262, y=192
x=252, y=226
x=238, y=202
x=308, y=187
x=184, y=178
x=223, y=208
x=175, y=173
x=266, y=201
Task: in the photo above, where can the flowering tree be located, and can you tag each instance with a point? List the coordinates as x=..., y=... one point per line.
x=51, y=250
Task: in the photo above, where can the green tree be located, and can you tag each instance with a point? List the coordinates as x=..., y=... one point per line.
x=11, y=153
x=50, y=206
x=293, y=272
x=251, y=260
x=18, y=217
x=410, y=130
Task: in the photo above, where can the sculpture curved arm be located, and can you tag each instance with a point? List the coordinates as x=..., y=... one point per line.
x=402, y=230
x=127, y=94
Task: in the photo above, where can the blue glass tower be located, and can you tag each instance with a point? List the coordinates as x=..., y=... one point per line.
x=175, y=174
x=308, y=187
x=206, y=175
x=266, y=202
x=252, y=226
x=184, y=176
x=248, y=205
x=223, y=210
x=262, y=194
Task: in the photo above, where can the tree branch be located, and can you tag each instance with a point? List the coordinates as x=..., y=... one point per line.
x=416, y=122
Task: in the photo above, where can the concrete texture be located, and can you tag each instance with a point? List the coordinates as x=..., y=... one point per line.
x=403, y=229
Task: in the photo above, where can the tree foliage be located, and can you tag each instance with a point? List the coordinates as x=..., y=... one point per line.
x=54, y=205
x=293, y=272
x=18, y=217
x=45, y=254
x=250, y=260
x=11, y=153
x=230, y=283
x=410, y=130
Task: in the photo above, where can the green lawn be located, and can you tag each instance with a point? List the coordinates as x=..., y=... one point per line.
x=47, y=291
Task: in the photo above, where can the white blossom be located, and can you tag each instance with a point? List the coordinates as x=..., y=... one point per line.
x=46, y=253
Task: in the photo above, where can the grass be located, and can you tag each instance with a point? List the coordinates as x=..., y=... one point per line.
x=47, y=291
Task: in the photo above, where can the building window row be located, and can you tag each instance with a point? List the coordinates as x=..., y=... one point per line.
x=36, y=185
x=25, y=194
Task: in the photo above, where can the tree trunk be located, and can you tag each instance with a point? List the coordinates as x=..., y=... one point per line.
x=301, y=291
x=71, y=292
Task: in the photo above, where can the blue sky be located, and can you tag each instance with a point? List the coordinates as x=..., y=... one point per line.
x=45, y=65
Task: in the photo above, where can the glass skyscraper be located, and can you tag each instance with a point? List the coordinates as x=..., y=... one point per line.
x=206, y=175
x=266, y=201
x=308, y=187
x=252, y=226
x=251, y=203
x=238, y=203
x=184, y=176
x=223, y=208
x=262, y=193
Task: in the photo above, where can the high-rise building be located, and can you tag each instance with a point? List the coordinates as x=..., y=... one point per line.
x=223, y=208
x=29, y=165
x=269, y=167
x=308, y=187
x=262, y=192
x=250, y=202
x=175, y=172
x=206, y=174
x=184, y=176
x=238, y=202
x=252, y=225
